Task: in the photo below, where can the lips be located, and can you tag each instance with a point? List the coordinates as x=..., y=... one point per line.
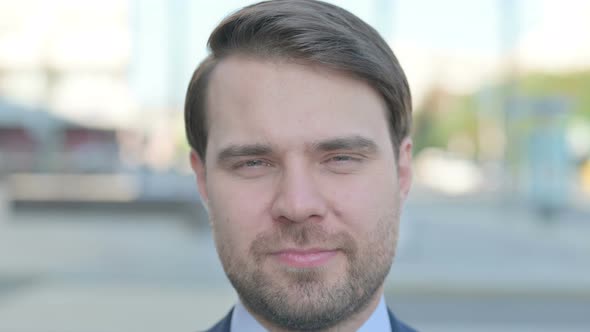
x=305, y=258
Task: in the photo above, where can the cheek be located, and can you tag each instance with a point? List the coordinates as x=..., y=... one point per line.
x=364, y=197
x=237, y=211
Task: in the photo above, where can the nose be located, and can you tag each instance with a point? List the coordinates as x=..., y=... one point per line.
x=298, y=197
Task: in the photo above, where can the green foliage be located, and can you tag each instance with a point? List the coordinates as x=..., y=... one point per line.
x=443, y=115
x=575, y=86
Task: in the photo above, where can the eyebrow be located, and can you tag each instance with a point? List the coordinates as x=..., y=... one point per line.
x=347, y=143
x=243, y=150
x=351, y=143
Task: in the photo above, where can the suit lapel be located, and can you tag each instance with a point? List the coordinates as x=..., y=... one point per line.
x=396, y=325
x=393, y=321
x=223, y=325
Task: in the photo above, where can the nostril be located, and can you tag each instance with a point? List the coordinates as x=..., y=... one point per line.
x=298, y=197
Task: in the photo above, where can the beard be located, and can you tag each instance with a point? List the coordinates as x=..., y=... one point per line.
x=316, y=298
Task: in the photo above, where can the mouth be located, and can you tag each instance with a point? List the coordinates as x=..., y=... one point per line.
x=299, y=258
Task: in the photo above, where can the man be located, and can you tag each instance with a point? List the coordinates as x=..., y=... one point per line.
x=299, y=124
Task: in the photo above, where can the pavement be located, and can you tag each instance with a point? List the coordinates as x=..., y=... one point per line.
x=481, y=244
x=473, y=263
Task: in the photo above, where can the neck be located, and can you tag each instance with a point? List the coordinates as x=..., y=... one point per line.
x=352, y=323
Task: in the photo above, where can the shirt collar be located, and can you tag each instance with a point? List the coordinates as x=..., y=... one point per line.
x=243, y=321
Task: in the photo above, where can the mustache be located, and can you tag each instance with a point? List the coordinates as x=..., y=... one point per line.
x=301, y=235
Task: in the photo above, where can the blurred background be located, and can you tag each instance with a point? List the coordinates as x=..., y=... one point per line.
x=101, y=228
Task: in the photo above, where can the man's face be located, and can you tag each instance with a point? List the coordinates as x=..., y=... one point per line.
x=302, y=188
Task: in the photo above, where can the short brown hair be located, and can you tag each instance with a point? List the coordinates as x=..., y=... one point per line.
x=303, y=30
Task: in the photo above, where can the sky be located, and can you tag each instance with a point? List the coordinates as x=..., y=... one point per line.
x=464, y=42
x=460, y=44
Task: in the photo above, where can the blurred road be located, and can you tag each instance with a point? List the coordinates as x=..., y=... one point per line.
x=471, y=264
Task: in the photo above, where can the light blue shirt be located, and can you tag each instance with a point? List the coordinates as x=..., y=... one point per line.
x=243, y=321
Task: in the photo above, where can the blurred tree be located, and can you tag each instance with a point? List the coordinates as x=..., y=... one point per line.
x=442, y=117
x=574, y=85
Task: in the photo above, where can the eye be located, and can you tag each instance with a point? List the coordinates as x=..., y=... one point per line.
x=343, y=158
x=253, y=163
x=252, y=168
x=343, y=163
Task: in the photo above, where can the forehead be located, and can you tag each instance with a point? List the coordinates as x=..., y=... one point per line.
x=254, y=100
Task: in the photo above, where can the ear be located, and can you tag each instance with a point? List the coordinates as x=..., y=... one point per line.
x=404, y=168
x=198, y=167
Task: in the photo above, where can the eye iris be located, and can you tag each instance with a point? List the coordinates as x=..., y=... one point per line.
x=252, y=163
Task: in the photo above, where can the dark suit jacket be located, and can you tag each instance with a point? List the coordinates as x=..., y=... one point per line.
x=396, y=325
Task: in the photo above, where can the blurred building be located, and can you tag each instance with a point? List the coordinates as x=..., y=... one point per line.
x=98, y=87
x=37, y=141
